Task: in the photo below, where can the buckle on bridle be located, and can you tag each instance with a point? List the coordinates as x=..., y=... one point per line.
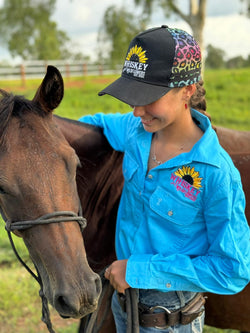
x=153, y=308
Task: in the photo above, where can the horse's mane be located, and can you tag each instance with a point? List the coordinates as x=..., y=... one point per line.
x=15, y=106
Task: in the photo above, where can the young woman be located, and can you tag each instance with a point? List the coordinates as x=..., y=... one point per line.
x=181, y=228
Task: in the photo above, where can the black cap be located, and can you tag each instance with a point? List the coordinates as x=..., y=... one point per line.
x=157, y=60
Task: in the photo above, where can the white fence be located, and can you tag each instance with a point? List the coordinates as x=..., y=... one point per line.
x=37, y=69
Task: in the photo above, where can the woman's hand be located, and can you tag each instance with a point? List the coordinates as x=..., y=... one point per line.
x=116, y=274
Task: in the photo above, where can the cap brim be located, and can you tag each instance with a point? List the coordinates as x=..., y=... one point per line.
x=133, y=92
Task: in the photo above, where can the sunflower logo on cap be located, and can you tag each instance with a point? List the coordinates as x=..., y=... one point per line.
x=137, y=54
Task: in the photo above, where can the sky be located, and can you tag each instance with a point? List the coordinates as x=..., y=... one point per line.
x=225, y=28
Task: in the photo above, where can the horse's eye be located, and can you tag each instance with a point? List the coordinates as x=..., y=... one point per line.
x=2, y=191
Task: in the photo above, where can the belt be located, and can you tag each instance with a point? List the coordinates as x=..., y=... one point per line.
x=161, y=320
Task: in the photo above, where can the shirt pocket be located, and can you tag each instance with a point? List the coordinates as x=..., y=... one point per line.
x=129, y=167
x=169, y=207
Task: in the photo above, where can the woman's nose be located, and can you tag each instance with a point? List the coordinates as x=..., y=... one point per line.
x=138, y=111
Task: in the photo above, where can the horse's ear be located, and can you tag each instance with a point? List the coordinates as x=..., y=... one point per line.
x=51, y=90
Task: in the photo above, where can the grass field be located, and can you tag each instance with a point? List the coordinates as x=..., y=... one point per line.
x=228, y=97
x=228, y=103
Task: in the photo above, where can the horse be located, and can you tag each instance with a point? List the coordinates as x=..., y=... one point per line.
x=39, y=200
x=103, y=188
x=232, y=311
x=99, y=183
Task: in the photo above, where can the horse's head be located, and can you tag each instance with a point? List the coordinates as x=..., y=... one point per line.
x=37, y=177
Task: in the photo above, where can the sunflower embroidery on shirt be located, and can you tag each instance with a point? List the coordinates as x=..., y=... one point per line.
x=188, y=181
x=189, y=175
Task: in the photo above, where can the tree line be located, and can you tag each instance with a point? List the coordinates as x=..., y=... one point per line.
x=216, y=58
x=28, y=30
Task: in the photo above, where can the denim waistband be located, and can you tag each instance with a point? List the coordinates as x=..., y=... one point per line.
x=172, y=300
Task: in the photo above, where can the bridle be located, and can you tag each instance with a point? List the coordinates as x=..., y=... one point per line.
x=68, y=216
x=55, y=217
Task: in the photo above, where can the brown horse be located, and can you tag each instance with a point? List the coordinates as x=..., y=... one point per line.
x=37, y=187
x=99, y=184
x=232, y=311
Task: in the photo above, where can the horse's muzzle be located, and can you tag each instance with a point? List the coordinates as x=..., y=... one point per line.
x=68, y=304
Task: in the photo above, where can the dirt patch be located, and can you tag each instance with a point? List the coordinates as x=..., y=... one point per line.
x=103, y=80
x=73, y=84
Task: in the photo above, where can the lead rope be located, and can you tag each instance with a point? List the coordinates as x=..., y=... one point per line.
x=91, y=319
x=45, y=312
x=45, y=307
x=45, y=219
x=131, y=309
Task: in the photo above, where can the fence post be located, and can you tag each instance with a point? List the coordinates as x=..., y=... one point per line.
x=67, y=71
x=85, y=69
x=100, y=70
x=23, y=79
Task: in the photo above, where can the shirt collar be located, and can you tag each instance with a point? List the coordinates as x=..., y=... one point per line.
x=206, y=150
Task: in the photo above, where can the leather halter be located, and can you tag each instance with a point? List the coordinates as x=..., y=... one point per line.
x=55, y=217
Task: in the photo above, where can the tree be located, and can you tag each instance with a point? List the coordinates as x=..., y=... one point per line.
x=237, y=62
x=117, y=30
x=28, y=31
x=215, y=57
x=195, y=18
x=247, y=2
x=247, y=63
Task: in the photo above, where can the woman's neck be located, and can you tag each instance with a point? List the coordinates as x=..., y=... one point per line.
x=173, y=141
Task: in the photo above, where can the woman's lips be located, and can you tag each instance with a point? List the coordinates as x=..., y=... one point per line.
x=147, y=122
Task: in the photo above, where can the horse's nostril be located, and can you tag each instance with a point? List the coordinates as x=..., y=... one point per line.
x=67, y=305
x=62, y=302
x=63, y=305
x=98, y=284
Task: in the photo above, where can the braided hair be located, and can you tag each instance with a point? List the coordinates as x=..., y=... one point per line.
x=198, y=100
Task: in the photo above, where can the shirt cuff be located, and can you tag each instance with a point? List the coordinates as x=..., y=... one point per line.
x=139, y=274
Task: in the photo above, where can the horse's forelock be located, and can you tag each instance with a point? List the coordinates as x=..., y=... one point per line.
x=6, y=107
x=14, y=106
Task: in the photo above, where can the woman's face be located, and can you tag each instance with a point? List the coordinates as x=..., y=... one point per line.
x=162, y=113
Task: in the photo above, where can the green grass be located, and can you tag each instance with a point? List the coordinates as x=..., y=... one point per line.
x=228, y=103
x=84, y=100
x=228, y=97
x=20, y=304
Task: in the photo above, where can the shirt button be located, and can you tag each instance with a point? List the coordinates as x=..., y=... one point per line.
x=170, y=213
x=168, y=285
x=150, y=176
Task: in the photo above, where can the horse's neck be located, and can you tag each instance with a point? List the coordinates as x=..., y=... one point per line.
x=99, y=183
x=84, y=138
x=233, y=141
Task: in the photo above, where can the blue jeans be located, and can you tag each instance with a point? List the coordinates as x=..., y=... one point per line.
x=170, y=300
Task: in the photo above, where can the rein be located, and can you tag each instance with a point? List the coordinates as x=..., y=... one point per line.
x=56, y=217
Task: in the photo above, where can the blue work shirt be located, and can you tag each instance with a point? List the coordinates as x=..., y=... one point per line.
x=181, y=225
